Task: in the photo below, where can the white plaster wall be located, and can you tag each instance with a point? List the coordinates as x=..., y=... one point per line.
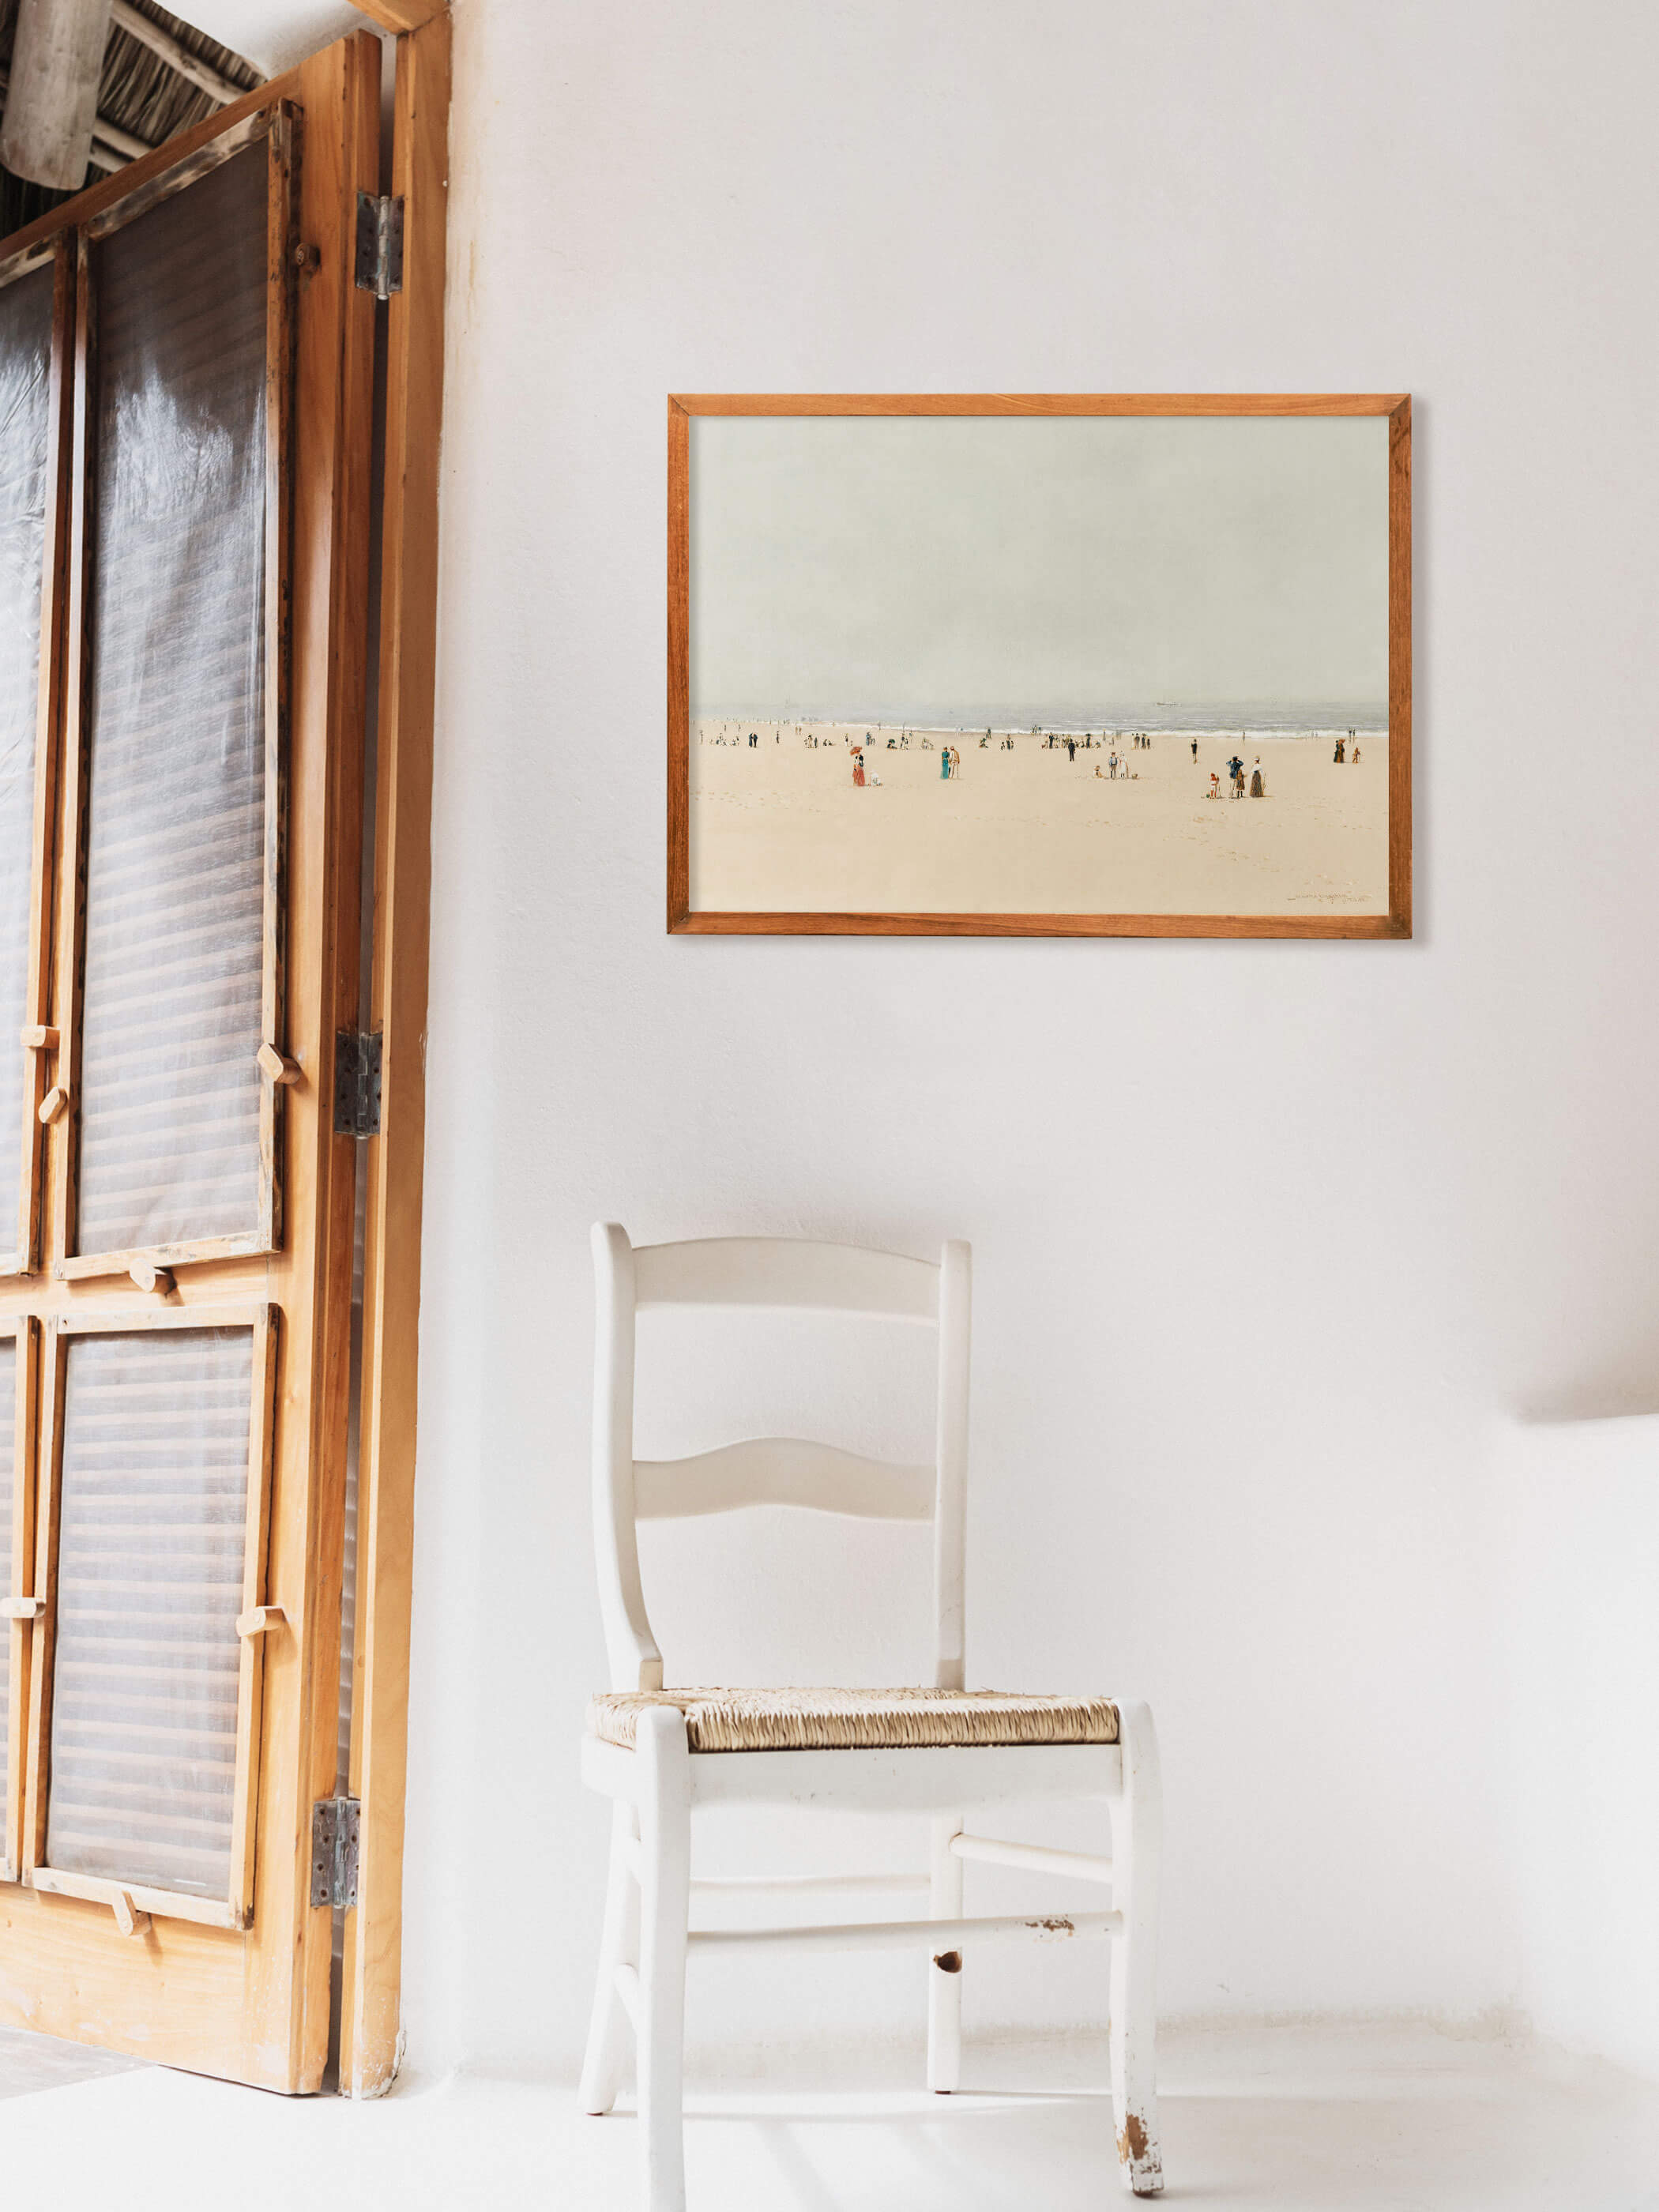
x=1265, y=1233
x=1578, y=1505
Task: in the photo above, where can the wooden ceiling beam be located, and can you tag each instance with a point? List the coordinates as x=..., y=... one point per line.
x=125, y=17
x=402, y=14
x=57, y=57
x=112, y=147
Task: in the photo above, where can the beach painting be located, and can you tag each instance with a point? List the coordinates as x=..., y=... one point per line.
x=1101, y=665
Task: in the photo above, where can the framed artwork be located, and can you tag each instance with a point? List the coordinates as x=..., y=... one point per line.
x=983, y=664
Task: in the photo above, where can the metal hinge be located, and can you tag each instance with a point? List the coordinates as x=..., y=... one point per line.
x=379, y=246
x=356, y=1085
x=334, y=1827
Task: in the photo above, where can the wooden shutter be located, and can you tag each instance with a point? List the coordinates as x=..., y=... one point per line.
x=36, y=329
x=174, y=1322
x=17, y=1403
x=177, y=787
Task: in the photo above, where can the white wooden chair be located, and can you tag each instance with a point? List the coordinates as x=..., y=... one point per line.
x=659, y=1754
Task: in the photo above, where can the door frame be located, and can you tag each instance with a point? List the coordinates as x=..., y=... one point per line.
x=370, y=2021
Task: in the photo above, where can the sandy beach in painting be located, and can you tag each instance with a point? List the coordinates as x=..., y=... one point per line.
x=1026, y=826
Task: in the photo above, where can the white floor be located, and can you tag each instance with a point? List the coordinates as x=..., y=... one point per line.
x=1280, y=2120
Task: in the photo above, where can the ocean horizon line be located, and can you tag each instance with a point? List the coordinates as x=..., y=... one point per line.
x=1168, y=719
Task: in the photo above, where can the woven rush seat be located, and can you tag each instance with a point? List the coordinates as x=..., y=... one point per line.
x=857, y=1720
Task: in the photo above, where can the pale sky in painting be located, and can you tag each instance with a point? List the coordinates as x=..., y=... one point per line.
x=1019, y=570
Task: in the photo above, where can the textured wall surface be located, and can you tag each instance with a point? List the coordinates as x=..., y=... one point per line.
x=1265, y=1234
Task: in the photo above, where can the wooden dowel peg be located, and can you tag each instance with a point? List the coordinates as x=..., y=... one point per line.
x=159, y=1279
x=21, y=1609
x=52, y=1105
x=128, y=1919
x=277, y=1067
x=37, y=1037
x=261, y=1620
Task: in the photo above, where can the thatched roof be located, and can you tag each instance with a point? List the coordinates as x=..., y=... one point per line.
x=142, y=95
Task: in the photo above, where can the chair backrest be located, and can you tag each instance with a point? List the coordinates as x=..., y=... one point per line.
x=763, y=1272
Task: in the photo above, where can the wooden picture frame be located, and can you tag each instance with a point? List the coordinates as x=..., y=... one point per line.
x=1392, y=921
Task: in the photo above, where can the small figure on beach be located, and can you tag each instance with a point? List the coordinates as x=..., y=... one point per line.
x=1236, y=774
x=944, y=764
x=1195, y=748
x=1258, y=789
x=1356, y=752
x=858, y=766
x=1214, y=791
x=1340, y=755
x=1111, y=764
x=1070, y=749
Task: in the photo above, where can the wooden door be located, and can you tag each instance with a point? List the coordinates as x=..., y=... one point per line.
x=187, y=469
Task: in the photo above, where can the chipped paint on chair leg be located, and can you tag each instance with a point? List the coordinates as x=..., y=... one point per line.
x=945, y=1976
x=665, y=1911
x=619, y=1945
x=1137, y=1820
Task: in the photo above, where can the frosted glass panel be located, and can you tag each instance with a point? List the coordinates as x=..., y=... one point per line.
x=171, y=1021
x=149, y=1582
x=7, y=1453
x=25, y=400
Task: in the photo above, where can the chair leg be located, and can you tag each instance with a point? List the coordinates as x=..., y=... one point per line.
x=619, y=1945
x=1137, y=1822
x=944, y=1981
x=664, y=1911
